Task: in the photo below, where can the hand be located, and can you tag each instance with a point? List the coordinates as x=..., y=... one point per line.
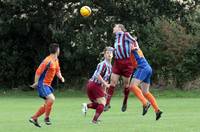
x=34, y=85
x=106, y=85
x=62, y=79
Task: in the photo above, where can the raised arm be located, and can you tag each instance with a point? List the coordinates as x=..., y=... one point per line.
x=132, y=40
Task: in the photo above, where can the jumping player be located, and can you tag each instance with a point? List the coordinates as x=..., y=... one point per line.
x=43, y=78
x=97, y=85
x=122, y=64
x=142, y=77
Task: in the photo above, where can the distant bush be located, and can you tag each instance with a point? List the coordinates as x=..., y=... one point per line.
x=169, y=48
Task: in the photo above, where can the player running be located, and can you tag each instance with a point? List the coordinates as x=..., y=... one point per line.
x=142, y=77
x=122, y=64
x=43, y=78
x=97, y=85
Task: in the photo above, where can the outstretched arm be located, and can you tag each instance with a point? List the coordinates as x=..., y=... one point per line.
x=133, y=42
x=58, y=73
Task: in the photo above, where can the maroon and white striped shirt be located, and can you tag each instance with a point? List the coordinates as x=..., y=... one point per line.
x=122, y=45
x=104, y=69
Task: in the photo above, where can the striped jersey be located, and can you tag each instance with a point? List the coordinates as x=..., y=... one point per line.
x=122, y=45
x=104, y=69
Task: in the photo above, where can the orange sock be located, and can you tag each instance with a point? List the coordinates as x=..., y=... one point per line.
x=39, y=112
x=152, y=100
x=48, y=107
x=139, y=94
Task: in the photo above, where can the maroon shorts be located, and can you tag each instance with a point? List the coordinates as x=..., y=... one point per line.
x=123, y=67
x=94, y=91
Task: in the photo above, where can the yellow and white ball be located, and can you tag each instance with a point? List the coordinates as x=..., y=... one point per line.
x=85, y=11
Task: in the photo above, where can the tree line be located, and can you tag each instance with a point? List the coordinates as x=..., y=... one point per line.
x=168, y=32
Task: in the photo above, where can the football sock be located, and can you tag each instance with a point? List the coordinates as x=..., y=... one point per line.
x=92, y=105
x=48, y=107
x=40, y=111
x=138, y=94
x=110, y=92
x=99, y=110
x=152, y=100
x=126, y=93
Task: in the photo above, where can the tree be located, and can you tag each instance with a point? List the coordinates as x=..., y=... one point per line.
x=27, y=28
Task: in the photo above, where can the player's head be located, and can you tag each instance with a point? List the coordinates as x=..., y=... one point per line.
x=108, y=53
x=54, y=49
x=119, y=28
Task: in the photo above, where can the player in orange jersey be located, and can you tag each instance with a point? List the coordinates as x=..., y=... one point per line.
x=43, y=78
x=142, y=78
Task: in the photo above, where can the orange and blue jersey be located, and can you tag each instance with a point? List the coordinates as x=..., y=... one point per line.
x=144, y=70
x=48, y=69
x=139, y=58
x=122, y=45
x=46, y=72
x=133, y=61
x=104, y=69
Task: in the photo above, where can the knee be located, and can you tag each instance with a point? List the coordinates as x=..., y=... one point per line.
x=131, y=86
x=126, y=85
x=144, y=91
x=102, y=101
x=52, y=99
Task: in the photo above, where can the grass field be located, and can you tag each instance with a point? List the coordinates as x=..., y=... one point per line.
x=180, y=115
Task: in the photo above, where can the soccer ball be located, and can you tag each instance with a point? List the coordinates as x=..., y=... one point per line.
x=85, y=11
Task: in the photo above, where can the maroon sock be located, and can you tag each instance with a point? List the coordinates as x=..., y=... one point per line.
x=99, y=110
x=109, y=94
x=92, y=105
x=126, y=93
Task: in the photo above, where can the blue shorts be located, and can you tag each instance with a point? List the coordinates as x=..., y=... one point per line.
x=44, y=90
x=143, y=74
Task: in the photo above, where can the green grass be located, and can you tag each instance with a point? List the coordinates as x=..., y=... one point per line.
x=180, y=115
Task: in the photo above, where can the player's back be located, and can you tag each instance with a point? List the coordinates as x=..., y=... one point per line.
x=122, y=44
x=139, y=57
x=47, y=69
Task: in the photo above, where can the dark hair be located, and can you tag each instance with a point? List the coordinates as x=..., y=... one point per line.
x=53, y=48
